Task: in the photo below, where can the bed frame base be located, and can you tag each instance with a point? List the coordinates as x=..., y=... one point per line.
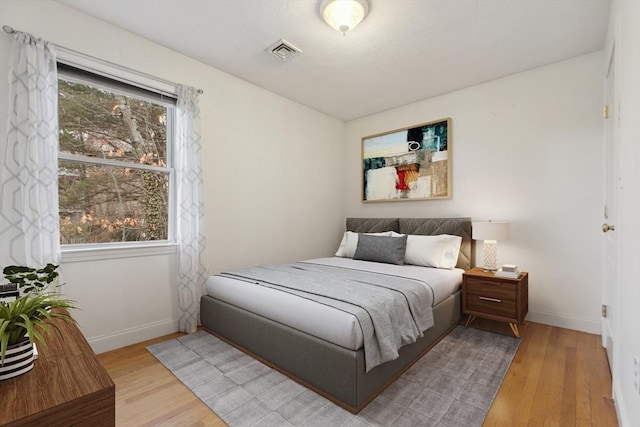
x=328, y=369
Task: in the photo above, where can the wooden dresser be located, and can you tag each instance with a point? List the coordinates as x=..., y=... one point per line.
x=66, y=387
x=496, y=298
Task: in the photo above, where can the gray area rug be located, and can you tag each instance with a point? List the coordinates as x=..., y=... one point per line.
x=454, y=384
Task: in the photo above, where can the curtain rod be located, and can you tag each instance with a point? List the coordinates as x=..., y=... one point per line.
x=10, y=30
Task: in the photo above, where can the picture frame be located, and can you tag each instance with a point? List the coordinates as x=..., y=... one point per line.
x=411, y=163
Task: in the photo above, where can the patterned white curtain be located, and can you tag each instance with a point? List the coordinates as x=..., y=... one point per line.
x=192, y=271
x=29, y=227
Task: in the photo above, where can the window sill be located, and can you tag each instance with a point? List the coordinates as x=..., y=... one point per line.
x=97, y=253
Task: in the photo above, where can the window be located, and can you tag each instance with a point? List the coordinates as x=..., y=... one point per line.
x=115, y=172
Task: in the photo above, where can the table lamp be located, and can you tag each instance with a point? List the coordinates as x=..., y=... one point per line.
x=490, y=232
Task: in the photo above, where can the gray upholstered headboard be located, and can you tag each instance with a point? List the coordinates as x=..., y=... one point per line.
x=423, y=226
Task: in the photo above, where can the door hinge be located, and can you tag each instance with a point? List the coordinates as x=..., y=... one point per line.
x=605, y=111
x=604, y=310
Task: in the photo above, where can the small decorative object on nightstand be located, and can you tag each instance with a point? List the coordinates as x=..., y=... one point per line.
x=496, y=298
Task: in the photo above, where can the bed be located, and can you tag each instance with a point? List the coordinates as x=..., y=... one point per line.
x=331, y=361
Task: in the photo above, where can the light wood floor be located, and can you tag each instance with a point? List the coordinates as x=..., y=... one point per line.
x=558, y=378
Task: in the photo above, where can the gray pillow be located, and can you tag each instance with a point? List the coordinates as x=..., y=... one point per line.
x=385, y=249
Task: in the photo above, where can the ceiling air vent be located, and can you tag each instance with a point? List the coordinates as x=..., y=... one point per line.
x=283, y=50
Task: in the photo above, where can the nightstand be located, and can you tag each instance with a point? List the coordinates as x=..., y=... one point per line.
x=496, y=298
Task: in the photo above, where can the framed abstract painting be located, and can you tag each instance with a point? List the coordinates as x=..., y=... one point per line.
x=412, y=163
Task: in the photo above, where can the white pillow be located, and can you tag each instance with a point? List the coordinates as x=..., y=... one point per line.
x=349, y=243
x=439, y=251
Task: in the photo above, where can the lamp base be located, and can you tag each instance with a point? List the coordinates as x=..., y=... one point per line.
x=490, y=255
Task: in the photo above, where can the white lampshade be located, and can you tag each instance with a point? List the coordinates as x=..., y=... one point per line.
x=344, y=15
x=490, y=230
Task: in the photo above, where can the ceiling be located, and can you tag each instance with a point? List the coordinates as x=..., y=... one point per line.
x=404, y=51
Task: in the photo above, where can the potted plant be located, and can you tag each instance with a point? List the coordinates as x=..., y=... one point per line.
x=27, y=316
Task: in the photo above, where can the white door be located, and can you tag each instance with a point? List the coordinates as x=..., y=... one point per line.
x=612, y=186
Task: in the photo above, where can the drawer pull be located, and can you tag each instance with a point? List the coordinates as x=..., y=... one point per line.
x=490, y=299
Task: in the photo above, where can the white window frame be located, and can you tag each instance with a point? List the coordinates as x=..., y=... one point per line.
x=102, y=251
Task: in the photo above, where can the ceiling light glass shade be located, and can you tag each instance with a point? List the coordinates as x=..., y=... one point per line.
x=344, y=15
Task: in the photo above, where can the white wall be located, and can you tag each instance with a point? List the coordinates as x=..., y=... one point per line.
x=525, y=149
x=273, y=177
x=625, y=34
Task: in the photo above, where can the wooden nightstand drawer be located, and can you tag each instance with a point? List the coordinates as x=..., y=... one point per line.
x=492, y=288
x=492, y=305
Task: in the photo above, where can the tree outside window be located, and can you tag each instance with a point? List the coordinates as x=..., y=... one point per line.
x=114, y=171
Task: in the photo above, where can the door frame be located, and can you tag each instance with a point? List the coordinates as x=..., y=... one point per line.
x=610, y=186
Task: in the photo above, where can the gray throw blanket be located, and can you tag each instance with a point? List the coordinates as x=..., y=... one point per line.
x=392, y=311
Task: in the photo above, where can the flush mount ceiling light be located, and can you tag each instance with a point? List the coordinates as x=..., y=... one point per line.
x=344, y=15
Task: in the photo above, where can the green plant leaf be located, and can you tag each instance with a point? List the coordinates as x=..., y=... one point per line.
x=4, y=343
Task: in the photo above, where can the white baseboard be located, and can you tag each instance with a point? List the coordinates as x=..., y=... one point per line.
x=607, y=334
x=591, y=326
x=623, y=420
x=103, y=343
